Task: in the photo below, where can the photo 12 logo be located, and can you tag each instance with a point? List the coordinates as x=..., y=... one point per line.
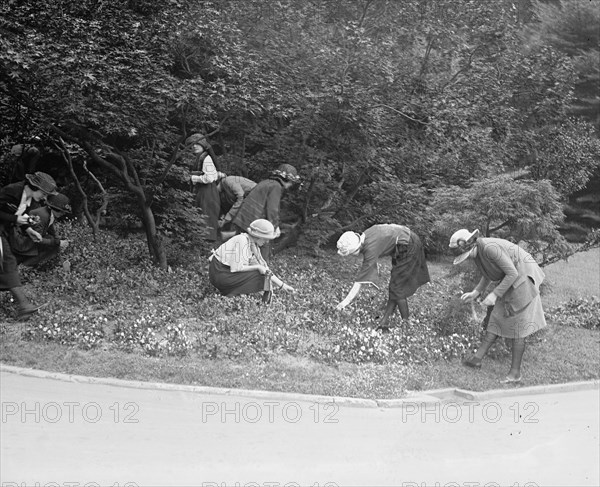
x=267, y=484
x=269, y=411
x=466, y=484
x=67, y=484
x=70, y=412
x=469, y=411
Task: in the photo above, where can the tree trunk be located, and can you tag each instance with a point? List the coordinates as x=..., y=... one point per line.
x=156, y=245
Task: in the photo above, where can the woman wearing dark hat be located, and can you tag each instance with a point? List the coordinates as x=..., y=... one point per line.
x=409, y=267
x=16, y=200
x=30, y=251
x=204, y=178
x=237, y=266
x=517, y=306
x=264, y=200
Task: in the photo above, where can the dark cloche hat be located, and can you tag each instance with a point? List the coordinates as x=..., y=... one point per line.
x=42, y=181
x=287, y=172
x=197, y=139
x=59, y=202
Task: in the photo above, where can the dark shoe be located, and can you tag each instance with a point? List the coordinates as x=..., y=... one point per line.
x=472, y=361
x=24, y=312
x=266, y=298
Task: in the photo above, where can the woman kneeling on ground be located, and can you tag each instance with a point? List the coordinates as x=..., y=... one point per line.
x=237, y=267
x=517, y=311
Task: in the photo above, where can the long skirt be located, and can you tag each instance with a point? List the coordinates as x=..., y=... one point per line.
x=506, y=324
x=9, y=273
x=207, y=198
x=234, y=283
x=409, y=269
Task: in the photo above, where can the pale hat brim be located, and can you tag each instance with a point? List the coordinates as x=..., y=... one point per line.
x=257, y=233
x=462, y=257
x=260, y=235
x=462, y=234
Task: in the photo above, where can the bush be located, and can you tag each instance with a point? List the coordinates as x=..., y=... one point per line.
x=579, y=313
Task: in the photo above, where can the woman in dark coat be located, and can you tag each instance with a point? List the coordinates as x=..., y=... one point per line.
x=16, y=200
x=264, y=200
x=32, y=253
x=409, y=268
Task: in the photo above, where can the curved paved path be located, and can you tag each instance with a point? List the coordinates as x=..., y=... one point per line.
x=59, y=433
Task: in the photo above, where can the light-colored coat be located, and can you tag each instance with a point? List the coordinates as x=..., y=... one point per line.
x=518, y=311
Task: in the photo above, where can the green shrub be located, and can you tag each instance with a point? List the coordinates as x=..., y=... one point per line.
x=579, y=313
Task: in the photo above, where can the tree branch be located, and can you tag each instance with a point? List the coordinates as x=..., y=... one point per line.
x=399, y=112
x=495, y=229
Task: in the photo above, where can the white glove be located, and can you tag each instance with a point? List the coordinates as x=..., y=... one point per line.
x=468, y=297
x=277, y=232
x=490, y=300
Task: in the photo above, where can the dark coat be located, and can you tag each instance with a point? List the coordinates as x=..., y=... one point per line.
x=262, y=202
x=22, y=244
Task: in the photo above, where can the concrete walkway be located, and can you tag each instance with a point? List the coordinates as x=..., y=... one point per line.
x=57, y=432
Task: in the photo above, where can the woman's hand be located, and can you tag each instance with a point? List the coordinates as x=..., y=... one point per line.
x=468, y=297
x=33, y=235
x=263, y=269
x=288, y=289
x=490, y=300
x=23, y=219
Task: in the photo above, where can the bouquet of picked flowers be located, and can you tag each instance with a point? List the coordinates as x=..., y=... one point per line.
x=34, y=220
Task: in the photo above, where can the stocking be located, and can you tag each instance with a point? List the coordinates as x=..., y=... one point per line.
x=403, y=305
x=487, y=342
x=518, y=349
x=20, y=297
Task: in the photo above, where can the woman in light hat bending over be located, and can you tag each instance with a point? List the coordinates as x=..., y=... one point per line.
x=409, y=268
x=237, y=266
x=517, y=311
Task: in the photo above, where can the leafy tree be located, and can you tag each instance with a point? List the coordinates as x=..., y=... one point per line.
x=572, y=28
x=379, y=103
x=521, y=210
x=109, y=77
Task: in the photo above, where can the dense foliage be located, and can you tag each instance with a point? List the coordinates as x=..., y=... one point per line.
x=387, y=108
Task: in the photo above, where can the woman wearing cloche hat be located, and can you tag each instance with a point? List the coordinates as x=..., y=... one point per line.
x=517, y=306
x=237, y=266
x=31, y=251
x=16, y=200
x=264, y=201
x=409, y=268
